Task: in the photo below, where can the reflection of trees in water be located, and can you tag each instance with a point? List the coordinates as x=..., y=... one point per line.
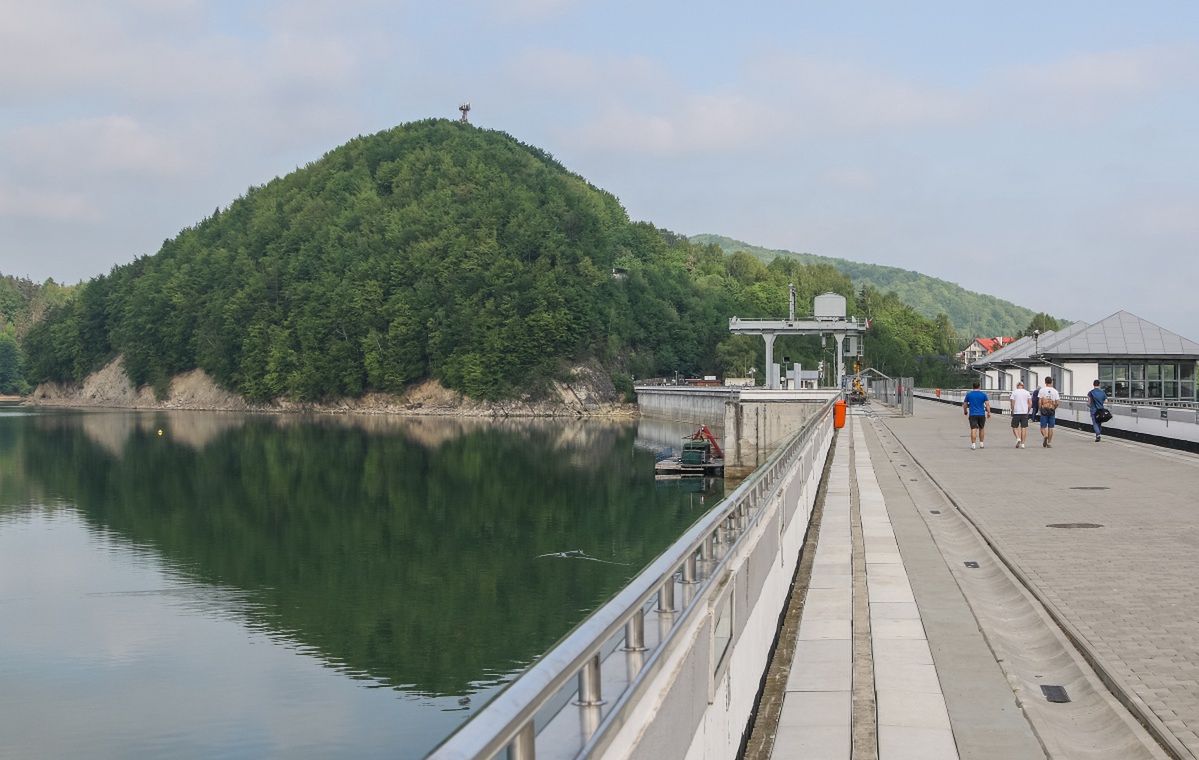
x=416, y=565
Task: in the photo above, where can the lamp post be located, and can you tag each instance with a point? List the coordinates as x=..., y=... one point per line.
x=1036, y=342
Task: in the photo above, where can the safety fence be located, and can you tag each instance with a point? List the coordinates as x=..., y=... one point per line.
x=651, y=668
x=896, y=392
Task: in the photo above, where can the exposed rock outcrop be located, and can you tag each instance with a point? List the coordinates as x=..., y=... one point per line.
x=588, y=393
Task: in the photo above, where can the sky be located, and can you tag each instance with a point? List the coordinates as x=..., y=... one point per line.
x=1046, y=153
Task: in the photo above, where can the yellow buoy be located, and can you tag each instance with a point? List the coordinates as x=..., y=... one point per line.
x=160, y=431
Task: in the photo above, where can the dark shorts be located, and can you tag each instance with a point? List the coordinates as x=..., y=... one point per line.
x=1047, y=420
x=1019, y=420
x=977, y=422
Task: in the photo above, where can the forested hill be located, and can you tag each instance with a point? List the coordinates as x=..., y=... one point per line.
x=440, y=250
x=972, y=314
x=22, y=303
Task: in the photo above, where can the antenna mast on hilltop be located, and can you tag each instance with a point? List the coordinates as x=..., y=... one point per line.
x=465, y=109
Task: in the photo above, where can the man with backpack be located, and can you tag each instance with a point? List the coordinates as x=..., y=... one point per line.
x=1047, y=399
x=1099, y=413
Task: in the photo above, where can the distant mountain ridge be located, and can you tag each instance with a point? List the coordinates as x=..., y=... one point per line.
x=972, y=314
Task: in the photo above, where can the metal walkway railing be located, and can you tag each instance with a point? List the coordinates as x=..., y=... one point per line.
x=574, y=699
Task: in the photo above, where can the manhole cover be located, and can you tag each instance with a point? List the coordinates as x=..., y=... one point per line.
x=1090, y=488
x=1074, y=525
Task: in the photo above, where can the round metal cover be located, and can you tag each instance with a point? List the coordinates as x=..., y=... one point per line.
x=1074, y=525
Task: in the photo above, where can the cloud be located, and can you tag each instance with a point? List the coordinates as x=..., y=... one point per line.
x=46, y=205
x=695, y=124
x=640, y=107
x=831, y=96
x=100, y=145
x=1099, y=75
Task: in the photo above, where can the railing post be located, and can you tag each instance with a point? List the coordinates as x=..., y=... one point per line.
x=666, y=596
x=524, y=745
x=708, y=550
x=634, y=632
x=689, y=569
x=589, y=683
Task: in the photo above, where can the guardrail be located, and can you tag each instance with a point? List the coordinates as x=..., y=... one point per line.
x=1164, y=423
x=575, y=699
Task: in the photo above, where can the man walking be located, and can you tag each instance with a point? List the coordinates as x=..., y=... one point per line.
x=1048, y=398
x=1021, y=404
x=1098, y=398
x=976, y=406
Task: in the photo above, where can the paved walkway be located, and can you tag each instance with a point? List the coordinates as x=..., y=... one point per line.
x=905, y=713
x=1130, y=588
x=915, y=641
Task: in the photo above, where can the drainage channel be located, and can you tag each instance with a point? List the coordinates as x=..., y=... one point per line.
x=1072, y=712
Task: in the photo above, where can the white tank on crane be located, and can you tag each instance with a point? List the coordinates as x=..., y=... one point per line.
x=828, y=306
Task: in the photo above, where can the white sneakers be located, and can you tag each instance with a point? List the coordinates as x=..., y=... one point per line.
x=982, y=445
x=973, y=445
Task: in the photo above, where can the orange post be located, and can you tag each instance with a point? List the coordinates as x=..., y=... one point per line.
x=839, y=413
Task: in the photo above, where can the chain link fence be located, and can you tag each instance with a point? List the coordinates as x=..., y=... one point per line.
x=896, y=393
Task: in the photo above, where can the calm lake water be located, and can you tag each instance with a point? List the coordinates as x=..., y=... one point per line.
x=258, y=586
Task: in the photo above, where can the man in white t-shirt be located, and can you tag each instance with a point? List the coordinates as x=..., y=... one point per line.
x=1021, y=404
x=1048, y=399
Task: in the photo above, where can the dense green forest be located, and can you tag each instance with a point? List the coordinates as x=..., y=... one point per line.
x=22, y=302
x=441, y=250
x=972, y=314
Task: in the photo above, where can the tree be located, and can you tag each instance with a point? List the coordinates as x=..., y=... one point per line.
x=1043, y=322
x=11, y=379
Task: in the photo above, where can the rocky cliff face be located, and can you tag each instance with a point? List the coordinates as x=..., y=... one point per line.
x=588, y=393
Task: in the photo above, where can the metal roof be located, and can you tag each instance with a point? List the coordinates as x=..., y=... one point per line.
x=1052, y=339
x=1123, y=334
x=1006, y=353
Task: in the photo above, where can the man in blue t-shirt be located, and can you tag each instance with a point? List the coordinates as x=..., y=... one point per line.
x=977, y=407
x=1097, y=398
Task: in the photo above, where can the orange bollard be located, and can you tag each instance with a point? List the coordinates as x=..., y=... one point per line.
x=839, y=413
x=938, y=393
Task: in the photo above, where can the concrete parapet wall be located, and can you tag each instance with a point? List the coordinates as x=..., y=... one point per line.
x=701, y=405
x=752, y=421
x=753, y=429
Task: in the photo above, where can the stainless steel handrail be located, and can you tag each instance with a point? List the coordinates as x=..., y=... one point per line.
x=1167, y=403
x=507, y=719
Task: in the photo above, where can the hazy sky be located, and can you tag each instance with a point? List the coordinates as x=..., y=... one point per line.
x=1047, y=153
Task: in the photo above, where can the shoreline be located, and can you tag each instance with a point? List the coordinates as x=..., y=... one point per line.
x=545, y=410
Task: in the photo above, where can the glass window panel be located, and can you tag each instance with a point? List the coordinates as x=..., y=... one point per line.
x=1167, y=372
x=1121, y=371
x=1105, y=373
x=1186, y=390
x=1186, y=371
x=1136, y=372
x=1170, y=389
x=1107, y=388
x=1155, y=389
x=1136, y=389
x=1121, y=389
x=1154, y=371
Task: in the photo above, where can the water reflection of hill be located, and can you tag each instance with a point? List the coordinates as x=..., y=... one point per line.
x=401, y=551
